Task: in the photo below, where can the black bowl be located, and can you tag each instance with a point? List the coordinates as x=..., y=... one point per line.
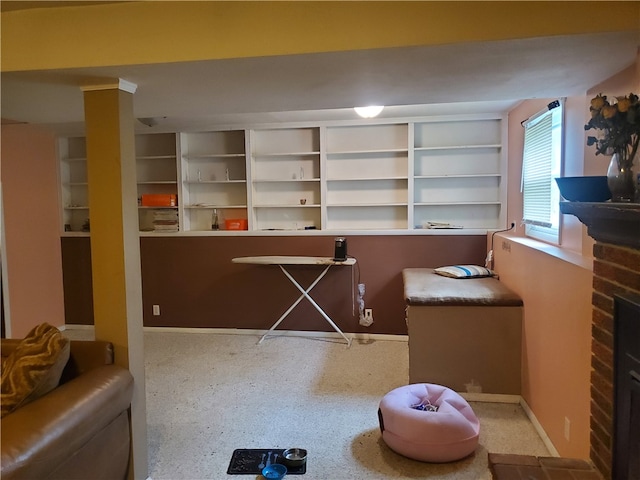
x=584, y=189
x=294, y=457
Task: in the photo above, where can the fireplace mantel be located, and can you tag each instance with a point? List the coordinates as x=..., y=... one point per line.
x=617, y=223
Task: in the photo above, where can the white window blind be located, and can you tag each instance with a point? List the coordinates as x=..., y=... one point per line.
x=541, y=164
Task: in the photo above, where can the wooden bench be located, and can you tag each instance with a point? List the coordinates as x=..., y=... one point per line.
x=465, y=334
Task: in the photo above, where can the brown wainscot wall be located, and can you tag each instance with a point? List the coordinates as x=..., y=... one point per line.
x=195, y=283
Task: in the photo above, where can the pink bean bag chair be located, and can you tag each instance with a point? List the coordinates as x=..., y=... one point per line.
x=445, y=435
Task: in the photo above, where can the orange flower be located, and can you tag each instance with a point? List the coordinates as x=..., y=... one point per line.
x=609, y=111
x=598, y=102
x=623, y=104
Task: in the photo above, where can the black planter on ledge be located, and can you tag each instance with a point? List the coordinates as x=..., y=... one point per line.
x=584, y=189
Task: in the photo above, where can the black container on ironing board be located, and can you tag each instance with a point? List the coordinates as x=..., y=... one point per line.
x=340, y=254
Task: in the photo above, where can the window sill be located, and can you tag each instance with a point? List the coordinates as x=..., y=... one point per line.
x=555, y=251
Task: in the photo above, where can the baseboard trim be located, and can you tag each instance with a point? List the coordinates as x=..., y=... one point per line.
x=277, y=333
x=71, y=326
x=281, y=333
x=515, y=399
x=490, y=397
x=536, y=424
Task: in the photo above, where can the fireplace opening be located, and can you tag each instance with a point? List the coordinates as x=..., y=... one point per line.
x=626, y=435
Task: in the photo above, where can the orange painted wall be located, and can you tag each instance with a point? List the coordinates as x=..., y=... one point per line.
x=555, y=282
x=556, y=338
x=32, y=228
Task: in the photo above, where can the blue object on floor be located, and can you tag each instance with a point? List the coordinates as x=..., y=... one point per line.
x=275, y=471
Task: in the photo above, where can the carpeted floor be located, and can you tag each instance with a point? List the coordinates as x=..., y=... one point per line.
x=209, y=394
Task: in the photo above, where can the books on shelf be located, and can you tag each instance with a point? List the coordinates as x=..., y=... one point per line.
x=440, y=225
x=165, y=221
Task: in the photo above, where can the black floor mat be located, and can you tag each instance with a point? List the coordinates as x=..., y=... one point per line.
x=246, y=461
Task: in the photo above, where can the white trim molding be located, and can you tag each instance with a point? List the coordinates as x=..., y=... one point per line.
x=120, y=84
x=536, y=424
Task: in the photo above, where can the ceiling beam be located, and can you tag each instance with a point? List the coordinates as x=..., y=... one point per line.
x=131, y=33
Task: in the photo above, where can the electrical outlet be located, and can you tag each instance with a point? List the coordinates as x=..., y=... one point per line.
x=567, y=429
x=156, y=310
x=368, y=313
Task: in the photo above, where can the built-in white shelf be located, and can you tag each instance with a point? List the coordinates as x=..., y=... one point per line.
x=286, y=154
x=156, y=207
x=213, y=169
x=419, y=177
x=159, y=182
x=355, y=153
x=221, y=156
x=366, y=204
x=156, y=157
x=74, y=192
x=457, y=147
x=285, y=180
x=214, y=205
x=359, y=176
x=285, y=205
x=220, y=182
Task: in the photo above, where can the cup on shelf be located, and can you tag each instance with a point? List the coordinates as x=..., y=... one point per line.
x=303, y=201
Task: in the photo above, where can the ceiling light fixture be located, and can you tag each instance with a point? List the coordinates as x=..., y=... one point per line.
x=369, y=112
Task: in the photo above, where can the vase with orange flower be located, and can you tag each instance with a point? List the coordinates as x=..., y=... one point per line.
x=618, y=126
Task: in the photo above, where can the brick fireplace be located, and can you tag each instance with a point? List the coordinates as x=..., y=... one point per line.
x=616, y=273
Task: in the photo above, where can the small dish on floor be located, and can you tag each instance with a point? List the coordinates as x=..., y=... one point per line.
x=275, y=471
x=294, y=457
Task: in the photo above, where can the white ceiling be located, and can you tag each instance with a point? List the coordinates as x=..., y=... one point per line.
x=415, y=81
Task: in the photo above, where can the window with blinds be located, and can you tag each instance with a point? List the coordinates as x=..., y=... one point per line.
x=542, y=163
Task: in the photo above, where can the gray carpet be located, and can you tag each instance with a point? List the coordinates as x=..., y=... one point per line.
x=209, y=394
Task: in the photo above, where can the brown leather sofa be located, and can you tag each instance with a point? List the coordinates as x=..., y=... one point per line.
x=79, y=430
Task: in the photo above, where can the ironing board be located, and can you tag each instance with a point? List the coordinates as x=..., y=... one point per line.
x=283, y=262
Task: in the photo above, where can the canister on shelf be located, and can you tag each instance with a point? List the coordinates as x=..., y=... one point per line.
x=214, y=220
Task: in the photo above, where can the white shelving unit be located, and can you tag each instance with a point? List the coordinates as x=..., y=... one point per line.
x=73, y=182
x=367, y=177
x=285, y=179
x=458, y=171
x=214, y=178
x=359, y=176
x=156, y=172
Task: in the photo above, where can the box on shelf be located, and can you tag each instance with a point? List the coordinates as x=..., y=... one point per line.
x=235, y=224
x=159, y=200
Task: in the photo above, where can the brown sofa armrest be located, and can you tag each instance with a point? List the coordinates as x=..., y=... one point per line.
x=86, y=355
x=50, y=429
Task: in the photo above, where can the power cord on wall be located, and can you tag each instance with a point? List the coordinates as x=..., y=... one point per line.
x=488, y=263
x=359, y=298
